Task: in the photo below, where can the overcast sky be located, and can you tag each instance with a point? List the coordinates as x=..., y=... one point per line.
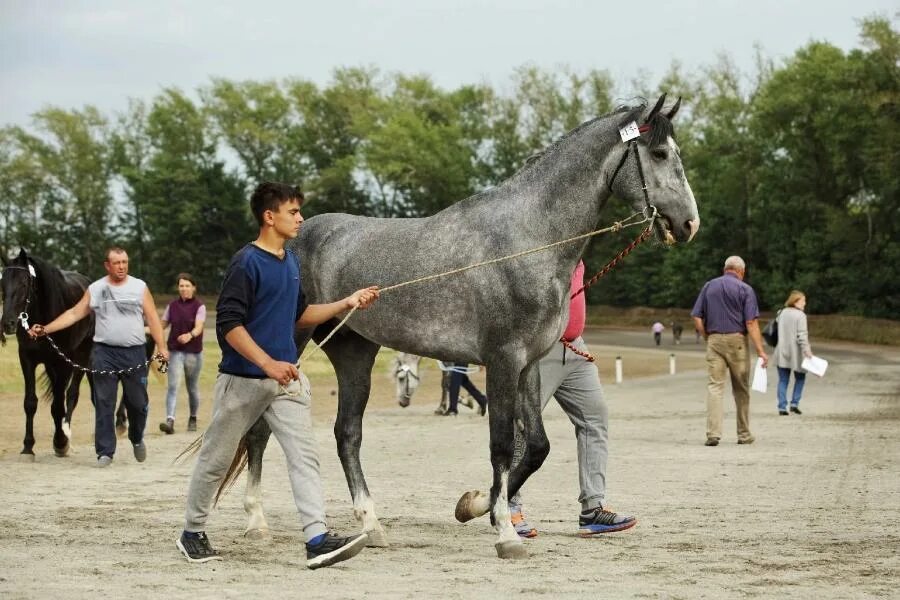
x=69, y=53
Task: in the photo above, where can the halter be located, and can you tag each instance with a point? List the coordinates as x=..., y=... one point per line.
x=650, y=212
x=23, y=316
x=405, y=370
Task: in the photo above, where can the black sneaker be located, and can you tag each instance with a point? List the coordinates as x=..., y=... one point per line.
x=796, y=410
x=334, y=549
x=192, y=424
x=603, y=520
x=196, y=548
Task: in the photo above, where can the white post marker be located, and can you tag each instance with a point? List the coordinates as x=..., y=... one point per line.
x=672, y=364
x=618, y=369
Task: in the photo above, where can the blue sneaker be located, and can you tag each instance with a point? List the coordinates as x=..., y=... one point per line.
x=602, y=520
x=522, y=527
x=333, y=548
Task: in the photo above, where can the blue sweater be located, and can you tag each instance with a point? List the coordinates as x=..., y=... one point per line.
x=263, y=293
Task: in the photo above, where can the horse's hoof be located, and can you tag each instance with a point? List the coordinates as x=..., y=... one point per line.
x=27, y=457
x=377, y=538
x=257, y=534
x=61, y=452
x=512, y=549
x=404, y=402
x=471, y=505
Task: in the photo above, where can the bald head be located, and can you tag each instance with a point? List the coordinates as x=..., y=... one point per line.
x=735, y=264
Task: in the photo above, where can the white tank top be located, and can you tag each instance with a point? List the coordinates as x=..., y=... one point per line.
x=119, y=312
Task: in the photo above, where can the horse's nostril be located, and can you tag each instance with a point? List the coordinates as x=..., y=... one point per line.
x=691, y=226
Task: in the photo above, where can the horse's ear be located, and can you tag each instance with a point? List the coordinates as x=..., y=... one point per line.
x=656, y=109
x=674, y=110
x=22, y=253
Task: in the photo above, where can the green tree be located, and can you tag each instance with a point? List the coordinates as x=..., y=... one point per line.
x=65, y=168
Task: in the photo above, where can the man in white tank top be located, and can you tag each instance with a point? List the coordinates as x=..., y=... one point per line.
x=120, y=304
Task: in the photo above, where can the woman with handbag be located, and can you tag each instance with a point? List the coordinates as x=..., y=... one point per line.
x=793, y=346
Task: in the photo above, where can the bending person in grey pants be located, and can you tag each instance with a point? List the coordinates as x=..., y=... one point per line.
x=572, y=379
x=261, y=301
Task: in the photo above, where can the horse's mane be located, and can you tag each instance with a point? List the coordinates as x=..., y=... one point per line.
x=660, y=129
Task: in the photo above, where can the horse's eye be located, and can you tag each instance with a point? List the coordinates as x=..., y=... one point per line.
x=659, y=153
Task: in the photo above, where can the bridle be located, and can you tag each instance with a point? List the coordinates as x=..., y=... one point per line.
x=22, y=317
x=405, y=373
x=650, y=211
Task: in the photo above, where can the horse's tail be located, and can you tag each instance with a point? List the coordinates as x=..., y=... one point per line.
x=47, y=387
x=238, y=463
x=240, y=460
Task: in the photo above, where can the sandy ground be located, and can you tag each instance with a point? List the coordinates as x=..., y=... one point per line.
x=811, y=510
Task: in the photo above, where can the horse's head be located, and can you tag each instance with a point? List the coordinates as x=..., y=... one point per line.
x=17, y=283
x=406, y=376
x=648, y=169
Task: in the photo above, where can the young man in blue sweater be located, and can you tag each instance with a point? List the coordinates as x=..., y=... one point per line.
x=261, y=301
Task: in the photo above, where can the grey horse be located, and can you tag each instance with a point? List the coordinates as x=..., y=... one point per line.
x=505, y=315
x=405, y=371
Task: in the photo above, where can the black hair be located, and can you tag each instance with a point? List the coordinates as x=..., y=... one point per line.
x=269, y=195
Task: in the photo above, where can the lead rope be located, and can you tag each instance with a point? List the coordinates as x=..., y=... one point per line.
x=162, y=368
x=617, y=226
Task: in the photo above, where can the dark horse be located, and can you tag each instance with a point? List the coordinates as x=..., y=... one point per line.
x=42, y=291
x=506, y=315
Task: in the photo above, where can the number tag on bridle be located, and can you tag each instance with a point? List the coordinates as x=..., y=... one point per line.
x=630, y=131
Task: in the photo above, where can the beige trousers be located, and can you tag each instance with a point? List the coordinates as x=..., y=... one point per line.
x=727, y=353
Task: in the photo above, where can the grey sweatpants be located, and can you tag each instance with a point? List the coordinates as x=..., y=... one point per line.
x=238, y=402
x=575, y=383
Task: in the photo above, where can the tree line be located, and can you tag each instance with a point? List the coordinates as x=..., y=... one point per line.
x=795, y=167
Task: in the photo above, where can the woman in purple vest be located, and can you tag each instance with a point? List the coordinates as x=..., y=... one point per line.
x=186, y=315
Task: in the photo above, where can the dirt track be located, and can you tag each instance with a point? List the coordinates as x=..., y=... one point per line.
x=812, y=509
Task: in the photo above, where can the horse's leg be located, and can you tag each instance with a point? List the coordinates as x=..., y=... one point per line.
x=537, y=446
x=507, y=391
x=72, y=394
x=257, y=439
x=59, y=378
x=352, y=357
x=30, y=405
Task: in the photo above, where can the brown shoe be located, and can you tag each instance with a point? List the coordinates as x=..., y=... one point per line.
x=747, y=440
x=711, y=442
x=168, y=427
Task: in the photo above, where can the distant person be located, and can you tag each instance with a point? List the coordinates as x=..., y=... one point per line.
x=186, y=316
x=677, y=330
x=793, y=346
x=725, y=312
x=657, y=330
x=120, y=304
x=458, y=378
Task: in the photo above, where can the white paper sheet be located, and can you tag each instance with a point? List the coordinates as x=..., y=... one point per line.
x=815, y=365
x=760, y=378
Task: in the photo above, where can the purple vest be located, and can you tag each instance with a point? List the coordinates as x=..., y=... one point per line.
x=182, y=318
